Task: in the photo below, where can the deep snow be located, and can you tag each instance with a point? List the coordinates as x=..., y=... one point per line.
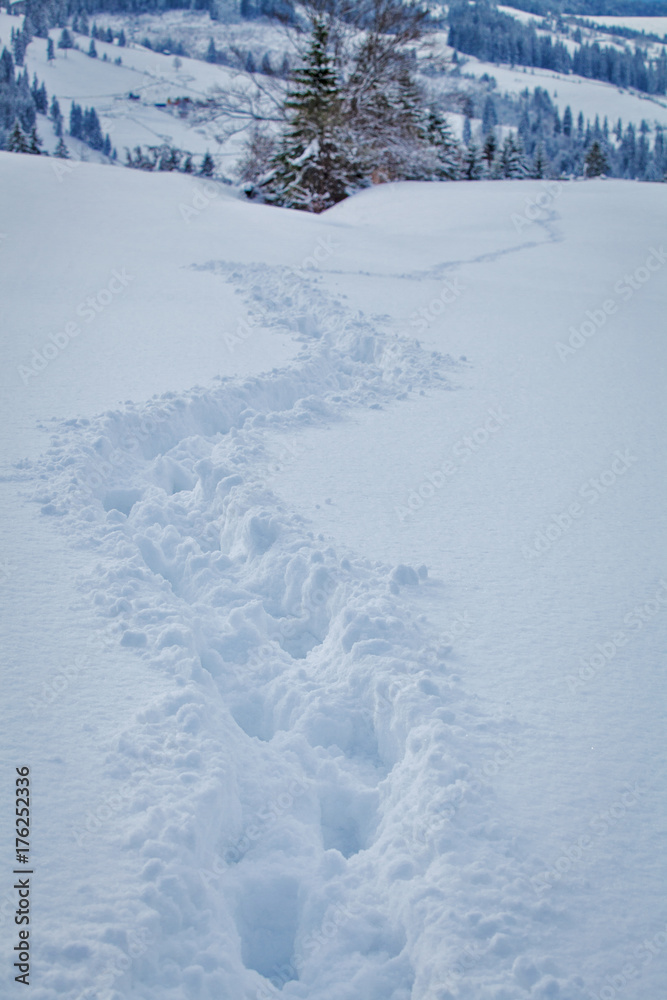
x=301, y=694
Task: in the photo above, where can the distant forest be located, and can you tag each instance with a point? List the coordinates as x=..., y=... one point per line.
x=483, y=31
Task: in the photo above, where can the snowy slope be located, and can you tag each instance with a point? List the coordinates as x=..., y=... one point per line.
x=295, y=655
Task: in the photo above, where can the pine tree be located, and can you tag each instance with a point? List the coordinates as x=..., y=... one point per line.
x=50, y=50
x=18, y=142
x=311, y=169
x=467, y=130
x=596, y=162
x=65, y=41
x=567, y=121
x=207, y=166
x=62, y=151
x=472, y=163
x=489, y=116
x=511, y=158
x=34, y=142
x=92, y=51
x=76, y=121
x=540, y=163
x=211, y=52
x=122, y=41
x=439, y=136
x=188, y=166
x=490, y=149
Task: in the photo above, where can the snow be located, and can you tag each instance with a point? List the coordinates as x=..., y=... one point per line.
x=294, y=650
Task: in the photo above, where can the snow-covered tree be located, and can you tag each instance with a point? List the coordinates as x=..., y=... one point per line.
x=18, y=142
x=596, y=162
x=313, y=167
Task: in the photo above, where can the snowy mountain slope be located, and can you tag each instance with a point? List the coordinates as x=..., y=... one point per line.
x=157, y=78
x=272, y=755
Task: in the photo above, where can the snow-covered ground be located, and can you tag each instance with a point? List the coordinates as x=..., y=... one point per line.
x=336, y=654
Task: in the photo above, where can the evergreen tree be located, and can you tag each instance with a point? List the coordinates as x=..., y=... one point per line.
x=265, y=67
x=50, y=50
x=467, y=130
x=18, y=142
x=6, y=67
x=62, y=151
x=92, y=130
x=312, y=169
x=540, y=163
x=188, y=166
x=567, y=121
x=439, y=135
x=76, y=121
x=92, y=51
x=472, y=163
x=211, y=52
x=207, y=166
x=596, y=162
x=122, y=41
x=65, y=41
x=490, y=149
x=250, y=66
x=35, y=142
x=511, y=158
x=489, y=116
x=56, y=116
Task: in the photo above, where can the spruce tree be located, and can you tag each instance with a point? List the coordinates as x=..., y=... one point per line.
x=34, y=142
x=62, y=151
x=511, y=158
x=50, y=50
x=211, y=52
x=472, y=163
x=18, y=142
x=596, y=162
x=439, y=136
x=567, y=122
x=490, y=150
x=311, y=169
x=207, y=166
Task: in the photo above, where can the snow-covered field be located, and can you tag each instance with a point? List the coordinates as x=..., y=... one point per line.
x=335, y=588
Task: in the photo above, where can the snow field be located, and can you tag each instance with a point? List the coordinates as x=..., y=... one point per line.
x=319, y=750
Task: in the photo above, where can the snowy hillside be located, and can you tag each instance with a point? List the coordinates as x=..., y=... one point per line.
x=152, y=99
x=334, y=578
